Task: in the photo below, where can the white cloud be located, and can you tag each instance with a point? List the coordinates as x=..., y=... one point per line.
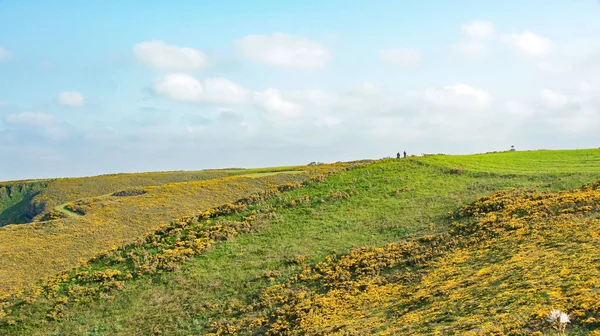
x=47, y=122
x=478, y=29
x=158, y=55
x=4, y=54
x=228, y=115
x=553, y=100
x=195, y=129
x=327, y=121
x=224, y=110
x=366, y=90
x=275, y=105
x=581, y=112
x=470, y=49
x=517, y=110
x=179, y=86
x=458, y=96
x=402, y=57
x=578, y=115
x=29, y=118
x=370, y=88
x=577, y=55
x=472, y=46
x=589, y=89
x=222, y=90
x=100, y=132
x=317, y=98
x=585, y=50
x=185, y=87
x=575, y=113
x=575, y=124
x=71, y=98
x=529, y=43
x=284, y=50
x=555, y=67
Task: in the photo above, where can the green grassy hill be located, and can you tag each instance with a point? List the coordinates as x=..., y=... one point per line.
x=378, y=248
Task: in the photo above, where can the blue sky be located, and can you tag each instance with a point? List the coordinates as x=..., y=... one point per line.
x=101, y=87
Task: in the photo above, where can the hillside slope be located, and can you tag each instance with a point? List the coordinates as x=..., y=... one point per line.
x=507, y=261
x=302, y=259
x=87, y=227
x=51, y=193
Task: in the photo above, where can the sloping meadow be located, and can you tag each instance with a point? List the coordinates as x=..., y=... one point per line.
x=88, y=227
x=506, y=262
x=51, y=193
x=284, y=260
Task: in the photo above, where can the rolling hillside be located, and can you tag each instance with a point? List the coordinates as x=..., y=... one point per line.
x=26, y=201
x=83, y=228
x=425, y=245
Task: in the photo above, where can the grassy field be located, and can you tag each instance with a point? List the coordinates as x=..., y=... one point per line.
x=495, y=272
x=524, y=162
x=317, y=259
x=30, y=252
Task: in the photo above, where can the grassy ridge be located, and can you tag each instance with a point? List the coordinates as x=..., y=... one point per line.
x=507, y=261
x=51, y=193
x=40, y=249
x=524, y=162
x=385, y=202
x=64, y=190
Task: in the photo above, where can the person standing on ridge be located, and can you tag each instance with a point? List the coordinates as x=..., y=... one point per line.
x=398, y=155
x=405, y=154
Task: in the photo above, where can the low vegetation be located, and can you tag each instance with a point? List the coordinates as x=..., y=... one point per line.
x=54, y=192
x=505, y=263
x=80, y=230
x=524, y=162
x=425, y=245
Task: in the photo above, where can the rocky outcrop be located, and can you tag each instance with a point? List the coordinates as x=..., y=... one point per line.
x=17, y=204
x=33, y=209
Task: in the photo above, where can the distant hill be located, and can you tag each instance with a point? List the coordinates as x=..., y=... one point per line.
x=30, y=200
x=80, y=218
x=482, y=244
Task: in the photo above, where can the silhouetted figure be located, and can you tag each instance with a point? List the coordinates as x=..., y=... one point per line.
x=512, y=148
x=398, y=155
x=405, y=154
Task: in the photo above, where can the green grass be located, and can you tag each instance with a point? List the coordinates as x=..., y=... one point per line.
x=31, y=252
x=523, y=162
x=187, y=302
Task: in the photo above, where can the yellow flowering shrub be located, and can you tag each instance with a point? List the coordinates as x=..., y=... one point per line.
x=506, y=261
x=159, y=251
x=90, y=227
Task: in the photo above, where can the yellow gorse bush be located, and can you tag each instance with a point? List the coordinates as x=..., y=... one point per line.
x=92, y=226
x=59, y=191
x=505, y=263
x=161, y=250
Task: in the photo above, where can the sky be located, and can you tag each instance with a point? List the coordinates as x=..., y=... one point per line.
x=96, y=87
